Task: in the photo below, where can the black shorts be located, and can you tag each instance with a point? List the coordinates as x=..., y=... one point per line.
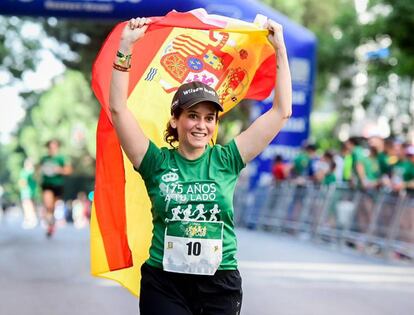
x=57, y=190
x=172, y=293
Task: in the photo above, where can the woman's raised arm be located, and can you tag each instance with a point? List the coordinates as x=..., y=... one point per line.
x=261, y=132
x=132, y=138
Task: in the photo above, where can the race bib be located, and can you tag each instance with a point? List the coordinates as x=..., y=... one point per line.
x=193, y=247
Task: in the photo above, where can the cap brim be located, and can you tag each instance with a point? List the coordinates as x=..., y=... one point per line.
x=199, y=100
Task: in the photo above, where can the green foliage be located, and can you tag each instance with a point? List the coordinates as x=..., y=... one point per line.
x=340, y=34
x=17, y=49
x=11, y=159
x=84, y=38
x=309, y=13
x=335, y=26
x=323, y=124
x=4, y=172
x=397, y=25
x=68, y=112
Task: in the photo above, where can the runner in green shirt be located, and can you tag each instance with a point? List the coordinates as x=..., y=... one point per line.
x=192, y=266
x=53, y=168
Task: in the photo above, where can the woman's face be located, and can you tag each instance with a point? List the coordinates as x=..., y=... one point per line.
x=196, y=125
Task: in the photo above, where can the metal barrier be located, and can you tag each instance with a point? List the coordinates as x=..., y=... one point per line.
x=375, y=222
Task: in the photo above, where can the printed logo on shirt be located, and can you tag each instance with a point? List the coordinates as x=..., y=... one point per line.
x=199, y=213
x=191, y=201
x=184, y=193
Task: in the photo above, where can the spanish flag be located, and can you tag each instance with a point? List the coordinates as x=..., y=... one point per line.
x=233, y=56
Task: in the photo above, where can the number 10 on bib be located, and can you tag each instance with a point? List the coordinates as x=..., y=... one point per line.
x=193, y=247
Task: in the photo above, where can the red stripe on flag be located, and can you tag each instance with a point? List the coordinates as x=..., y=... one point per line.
x=182, y=52
x=109, y=196
x=110, y=174
x=264, y=80
x=192, y=41
x=185, y=49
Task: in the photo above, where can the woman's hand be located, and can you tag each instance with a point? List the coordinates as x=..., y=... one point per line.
x=276, y=35
x=134, y=30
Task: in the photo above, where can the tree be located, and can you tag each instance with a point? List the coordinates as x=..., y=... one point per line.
x=390, y=74
x=67, y=112
x=336, y=28
x=18, y=48
x=84, y=38
x=394, y=19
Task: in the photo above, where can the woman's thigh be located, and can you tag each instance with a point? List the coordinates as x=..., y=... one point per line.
x=159, y=295
x=222, y=294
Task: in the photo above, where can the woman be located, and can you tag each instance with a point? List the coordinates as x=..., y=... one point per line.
x=192, y=267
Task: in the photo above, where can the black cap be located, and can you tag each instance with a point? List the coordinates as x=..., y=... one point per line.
x=190, y=94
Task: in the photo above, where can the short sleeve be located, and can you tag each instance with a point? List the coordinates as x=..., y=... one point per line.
x=152, y=160
x=64, y=160
x=230, y=155
x=358, y=155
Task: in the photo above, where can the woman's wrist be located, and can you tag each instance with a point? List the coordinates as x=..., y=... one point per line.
x=122, y=61
x=125, y=47
x=281, y=51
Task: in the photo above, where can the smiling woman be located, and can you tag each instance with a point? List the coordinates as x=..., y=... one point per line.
x=192, y=265
x=194, y=110
x=196, y=126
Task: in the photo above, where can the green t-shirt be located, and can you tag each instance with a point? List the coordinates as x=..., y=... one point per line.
x=347, y=170
x=48, y=166
x=198, y=190
x=358, y=156
x=300, y=164
x=409, y=171
x=404, y=170
x=370, y=165
x=329, y=178
x=372, y=168
x=384, y=165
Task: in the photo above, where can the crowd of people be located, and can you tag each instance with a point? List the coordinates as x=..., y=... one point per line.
x=363, y=163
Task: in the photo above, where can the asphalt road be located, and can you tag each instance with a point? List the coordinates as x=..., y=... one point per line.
x=281, y=275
